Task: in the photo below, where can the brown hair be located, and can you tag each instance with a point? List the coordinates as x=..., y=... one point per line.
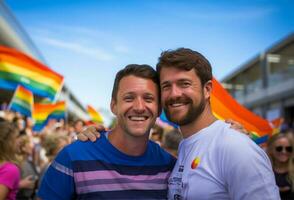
x=51, y=143
x=7, y=131
x=270, y=149
x=186, y=59
x=142, y=71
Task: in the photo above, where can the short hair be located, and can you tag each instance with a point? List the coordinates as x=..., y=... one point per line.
x=79, y=120
x=172, y=139
x=51, y=143
x=157, y=130
x=142, y=71
x=186, y=59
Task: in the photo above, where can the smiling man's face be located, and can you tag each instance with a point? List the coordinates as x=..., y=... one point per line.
x=136, y=105
x=182, y=95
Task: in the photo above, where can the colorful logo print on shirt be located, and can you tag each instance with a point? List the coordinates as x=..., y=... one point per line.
x=195, y=163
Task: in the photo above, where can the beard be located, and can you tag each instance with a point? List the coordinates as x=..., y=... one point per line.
x=193, y=113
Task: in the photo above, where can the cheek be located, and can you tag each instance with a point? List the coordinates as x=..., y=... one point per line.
x=163, y=97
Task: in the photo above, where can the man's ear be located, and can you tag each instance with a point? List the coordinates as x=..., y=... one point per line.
x=207, y=89
x=113, y=106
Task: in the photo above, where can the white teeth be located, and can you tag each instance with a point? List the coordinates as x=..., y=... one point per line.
x=176, y=104
x=136, y=118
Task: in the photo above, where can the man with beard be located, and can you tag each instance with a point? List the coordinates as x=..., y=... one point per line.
x=124, y=164
x=214, y=162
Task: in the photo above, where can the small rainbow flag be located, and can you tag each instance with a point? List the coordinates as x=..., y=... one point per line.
x=277, y=124
x=44, y=112
x=22, y=101
x=162, y=119
x=224, y=106
x=17, y=68
x=95, y=115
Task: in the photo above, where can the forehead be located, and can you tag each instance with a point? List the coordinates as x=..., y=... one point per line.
x=171, y=74
x=282, y=141
x=135, y=84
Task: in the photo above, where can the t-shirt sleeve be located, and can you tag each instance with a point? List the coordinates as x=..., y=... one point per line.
x=58, y=181
x=10, y=176
x=247, y=170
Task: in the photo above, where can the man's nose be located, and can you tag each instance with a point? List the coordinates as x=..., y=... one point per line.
x=175, y=91
x=139, y=104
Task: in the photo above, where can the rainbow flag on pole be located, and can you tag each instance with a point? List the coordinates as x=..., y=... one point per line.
x=95, y=115
x=22, y=101
x=17, y=68
x=44, y=112
x=225, y=106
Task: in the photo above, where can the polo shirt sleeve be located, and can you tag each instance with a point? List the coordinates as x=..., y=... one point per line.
x=247, y=170
x=58, y=181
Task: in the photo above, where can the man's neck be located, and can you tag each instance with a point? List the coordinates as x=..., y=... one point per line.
x=132, y=146
x=205, y=119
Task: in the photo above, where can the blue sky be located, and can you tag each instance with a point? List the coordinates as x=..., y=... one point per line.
x=88, y=41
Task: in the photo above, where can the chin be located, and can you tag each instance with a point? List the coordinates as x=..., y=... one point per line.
x=138, y=133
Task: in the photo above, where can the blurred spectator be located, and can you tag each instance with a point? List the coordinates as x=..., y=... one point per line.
x=156, y=134
x=290, y=133
x=19, y=122
x=9, y=172
x=29, y=123
x=29, y=172
x=280, y=151
x=78, y=127
x=52, y=144
x=171, y=141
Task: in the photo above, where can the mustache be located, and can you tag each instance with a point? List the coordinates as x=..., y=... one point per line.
x=178, y=100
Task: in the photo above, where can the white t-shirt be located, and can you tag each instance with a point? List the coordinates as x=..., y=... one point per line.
x=221, y=163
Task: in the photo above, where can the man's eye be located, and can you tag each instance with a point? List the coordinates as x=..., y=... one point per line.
x=149, y=99
x=165, y=87
x=185, y=84
x=128, y=99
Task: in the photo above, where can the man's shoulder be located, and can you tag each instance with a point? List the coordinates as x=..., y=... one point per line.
x=79, y=149
x=230, y=136
x=236, y=144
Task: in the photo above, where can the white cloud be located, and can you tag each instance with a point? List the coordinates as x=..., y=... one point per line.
x=122, y=49
x=93, y=52
x=94, y=43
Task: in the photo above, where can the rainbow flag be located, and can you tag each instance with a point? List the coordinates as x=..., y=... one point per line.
x=17, y=68
x=225, y=106
x=162, y=119
x=22, y=101
x=277, y=125
x=94, y=115
x=44, y=112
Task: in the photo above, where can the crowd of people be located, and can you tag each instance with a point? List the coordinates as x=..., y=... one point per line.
x=25, y=155
x=203, y=159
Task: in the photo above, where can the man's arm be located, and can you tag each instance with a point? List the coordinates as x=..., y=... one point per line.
x=58, y=181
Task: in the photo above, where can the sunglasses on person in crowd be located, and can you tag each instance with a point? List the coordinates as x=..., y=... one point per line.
x=288, y=149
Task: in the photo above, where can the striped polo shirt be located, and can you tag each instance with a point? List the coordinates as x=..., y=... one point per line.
x=97, y=170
